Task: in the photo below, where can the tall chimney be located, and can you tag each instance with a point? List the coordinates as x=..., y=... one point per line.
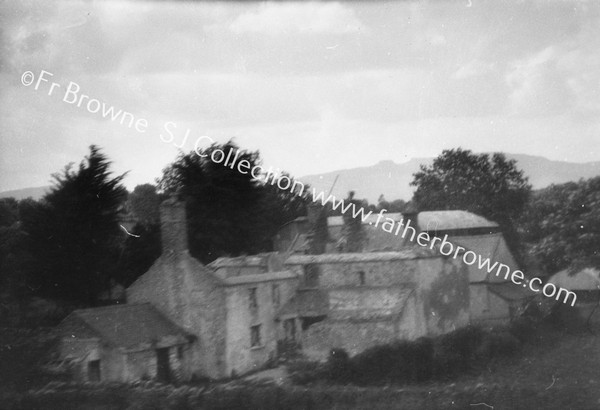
x=318, y=231
x=173, y=226
x=410, y=216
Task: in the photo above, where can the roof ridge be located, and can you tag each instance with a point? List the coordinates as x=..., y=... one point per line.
x=110, y=307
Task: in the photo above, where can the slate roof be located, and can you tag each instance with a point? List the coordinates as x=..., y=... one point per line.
x=254, y=260
x=259, y=277
x=412, y=253
x=430, y=220
x=329, y=302
x=510, y=292
x=339, y=220
x=435, y=222
x=452, y=220
x=307, y=303
x=585, y=279
x=127, y=325
x=492, y=246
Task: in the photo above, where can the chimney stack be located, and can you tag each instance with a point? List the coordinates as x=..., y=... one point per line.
x=410, y=216
x=313, y=211
x=173, y=226
x=318, y=231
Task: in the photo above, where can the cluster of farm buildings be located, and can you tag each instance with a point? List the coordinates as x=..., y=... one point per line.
x=183, y=319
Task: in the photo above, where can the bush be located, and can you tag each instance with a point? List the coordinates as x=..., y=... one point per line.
x=338, y=366
x=455, y=352
x=567, y=318
x=399, y=362
x=524, y=329
x=304, y=372
x=417, y=361
x=497, y=344
x=421, y=359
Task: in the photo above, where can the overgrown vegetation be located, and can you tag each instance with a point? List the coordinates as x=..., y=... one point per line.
x=229, y=213
x=404, y=362
x=23, y=352
x=561, y=226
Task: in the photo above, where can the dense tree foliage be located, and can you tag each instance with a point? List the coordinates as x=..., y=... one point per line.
x=140, y=250
x=229, y=213
x=16, y=259
x=142, y=247
x=75, y=232
x=490, y=186
x=143, y=204
x=561, y=226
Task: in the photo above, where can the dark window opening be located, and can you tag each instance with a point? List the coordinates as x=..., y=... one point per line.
x=180, y=352
x=311, y=276
x=308, y=321
x=253, y=299
x=94, y=370
x=289, y=329
x=163, y=368
x=361, y=278
x=255, y=340
x=275, y=295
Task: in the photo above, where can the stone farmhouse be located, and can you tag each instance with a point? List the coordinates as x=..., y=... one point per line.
x=492, y=298
x=184, y=319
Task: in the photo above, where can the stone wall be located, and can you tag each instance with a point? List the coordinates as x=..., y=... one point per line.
x=376, y=273
x=444, y=293
x=388, y=298
x=141, y=365
x=241, y=356
x=487, y=307
x=188, y=294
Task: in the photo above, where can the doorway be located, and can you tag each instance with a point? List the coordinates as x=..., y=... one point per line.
x=163, y=369
x=93, y=368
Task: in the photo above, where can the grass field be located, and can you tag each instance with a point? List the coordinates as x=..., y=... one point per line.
x=558, y=371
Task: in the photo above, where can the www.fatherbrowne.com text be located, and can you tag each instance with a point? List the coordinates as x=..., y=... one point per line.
x=397, y=228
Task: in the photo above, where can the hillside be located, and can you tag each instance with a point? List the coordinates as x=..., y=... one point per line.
x=35, y=193
x=392, y=180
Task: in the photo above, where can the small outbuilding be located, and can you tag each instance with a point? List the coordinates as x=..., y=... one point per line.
x=585, y=283
x=123, y=343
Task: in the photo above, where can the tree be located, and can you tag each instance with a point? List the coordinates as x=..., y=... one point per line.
x=75, y=232
x=397, y=205
x=383, y=204
x=16, y=259
x=143, y=203
x=9, y=211
x=561, y=226
x=492, y=187
x=229, y=212
x=140, y=250
x=143, y=246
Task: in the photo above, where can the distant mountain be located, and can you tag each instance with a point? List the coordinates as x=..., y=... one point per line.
x=392, y=180
x=35, y=193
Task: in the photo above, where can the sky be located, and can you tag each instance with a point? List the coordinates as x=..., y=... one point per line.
x=314, y=86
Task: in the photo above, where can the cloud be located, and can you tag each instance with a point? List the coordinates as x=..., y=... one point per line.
x=279, y=18
x=562, y=78
x=538, y=85
x=473, y=68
